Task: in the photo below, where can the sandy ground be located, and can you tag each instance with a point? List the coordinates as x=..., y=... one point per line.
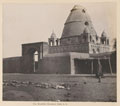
x=37, y=87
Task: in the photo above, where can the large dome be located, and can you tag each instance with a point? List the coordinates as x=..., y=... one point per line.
x=77, y=21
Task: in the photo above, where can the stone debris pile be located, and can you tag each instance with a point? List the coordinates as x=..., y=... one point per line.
x=16, y=83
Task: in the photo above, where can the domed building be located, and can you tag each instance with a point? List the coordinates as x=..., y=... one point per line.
x=76, y=52
x=80, y=36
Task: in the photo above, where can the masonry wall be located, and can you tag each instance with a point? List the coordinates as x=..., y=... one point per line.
x=83, y=48
x=57, y=64
x=113, y=59
x=12, y=65
x=27, y=64
x=98, y=48
x=54, y=65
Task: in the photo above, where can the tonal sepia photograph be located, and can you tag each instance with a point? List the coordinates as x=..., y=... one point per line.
x=60, y=52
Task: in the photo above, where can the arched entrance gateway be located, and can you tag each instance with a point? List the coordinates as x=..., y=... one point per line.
x=32, y=53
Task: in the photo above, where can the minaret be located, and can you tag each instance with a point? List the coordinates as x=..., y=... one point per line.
x=104, y=38
x=52, y=39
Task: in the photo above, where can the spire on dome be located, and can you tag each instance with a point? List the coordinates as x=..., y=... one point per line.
x=77, y=7
x=53, y=35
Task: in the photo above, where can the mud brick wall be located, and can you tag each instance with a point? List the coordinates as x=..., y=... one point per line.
x=54, y=65
x=12, y=65
x=113, y=59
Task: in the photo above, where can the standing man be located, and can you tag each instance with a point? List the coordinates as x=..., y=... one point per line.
x=99, y=73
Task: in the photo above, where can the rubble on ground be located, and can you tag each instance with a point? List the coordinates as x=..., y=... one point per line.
x=15, y=83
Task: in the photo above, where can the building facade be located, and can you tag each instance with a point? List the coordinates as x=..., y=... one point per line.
x=70, y=53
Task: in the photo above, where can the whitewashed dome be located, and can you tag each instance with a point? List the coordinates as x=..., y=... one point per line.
x=77, y=21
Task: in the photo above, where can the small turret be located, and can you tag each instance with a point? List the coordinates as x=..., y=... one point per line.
x=104, y=34
x=104, y=38
x=53, y=40
x=53, y=35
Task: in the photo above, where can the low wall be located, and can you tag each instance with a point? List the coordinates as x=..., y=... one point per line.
x=59, y=63
x=54, y=65
x=12, y=65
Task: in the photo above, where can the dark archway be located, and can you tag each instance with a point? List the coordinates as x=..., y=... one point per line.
x=31, y=58
x=34, y=56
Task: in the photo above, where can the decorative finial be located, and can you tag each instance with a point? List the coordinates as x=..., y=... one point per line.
x=53, y=35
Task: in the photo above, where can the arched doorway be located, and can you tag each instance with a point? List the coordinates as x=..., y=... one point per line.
x=36, y=58
x=31, y=60
x=32, y=54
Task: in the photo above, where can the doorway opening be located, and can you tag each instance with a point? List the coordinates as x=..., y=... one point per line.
x=36, y=59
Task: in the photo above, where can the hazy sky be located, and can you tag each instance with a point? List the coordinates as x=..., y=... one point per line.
x=27, y=23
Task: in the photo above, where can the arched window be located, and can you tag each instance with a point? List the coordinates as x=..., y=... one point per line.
x=36, y=56
x=96, y=38
x=98, y=50
x=84, y=37
x=36, y=59
x=94, y=51
x=108, y=41
x=90, y=38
